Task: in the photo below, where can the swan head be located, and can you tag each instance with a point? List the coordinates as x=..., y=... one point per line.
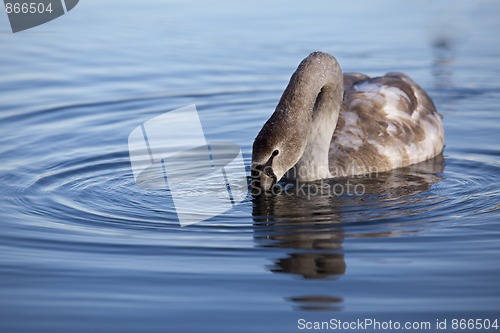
x=276, y=149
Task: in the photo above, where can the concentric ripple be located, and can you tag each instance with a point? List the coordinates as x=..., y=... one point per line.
x=76, y=178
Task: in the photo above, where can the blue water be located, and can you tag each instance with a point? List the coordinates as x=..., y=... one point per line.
x=84, y=249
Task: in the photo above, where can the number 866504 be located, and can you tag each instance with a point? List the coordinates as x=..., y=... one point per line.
x=28, y=8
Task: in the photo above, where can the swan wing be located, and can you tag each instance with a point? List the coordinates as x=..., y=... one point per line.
x=385, y=123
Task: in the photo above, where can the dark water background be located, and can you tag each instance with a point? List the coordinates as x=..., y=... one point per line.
x=84, y=249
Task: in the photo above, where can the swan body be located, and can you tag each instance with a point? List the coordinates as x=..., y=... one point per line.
x=328, y=124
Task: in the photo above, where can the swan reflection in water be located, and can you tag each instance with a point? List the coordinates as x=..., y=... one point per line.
x=312, y=228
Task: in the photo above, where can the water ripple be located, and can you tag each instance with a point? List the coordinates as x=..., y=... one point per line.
x=75, y=179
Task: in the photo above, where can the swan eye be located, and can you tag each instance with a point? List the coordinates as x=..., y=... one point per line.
x=276, y=152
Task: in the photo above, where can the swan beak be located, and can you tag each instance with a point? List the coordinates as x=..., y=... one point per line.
x=262, y=181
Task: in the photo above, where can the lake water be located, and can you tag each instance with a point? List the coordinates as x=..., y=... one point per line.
x=84, y=249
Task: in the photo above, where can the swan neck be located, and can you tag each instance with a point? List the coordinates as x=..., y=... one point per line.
x=316, y=91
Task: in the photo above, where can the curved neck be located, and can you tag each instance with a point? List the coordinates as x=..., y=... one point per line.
x=313, y=98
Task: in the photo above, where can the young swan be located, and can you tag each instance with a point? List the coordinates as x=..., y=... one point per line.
x=328, y=125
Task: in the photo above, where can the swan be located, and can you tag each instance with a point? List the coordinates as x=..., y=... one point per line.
x=328, y=124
